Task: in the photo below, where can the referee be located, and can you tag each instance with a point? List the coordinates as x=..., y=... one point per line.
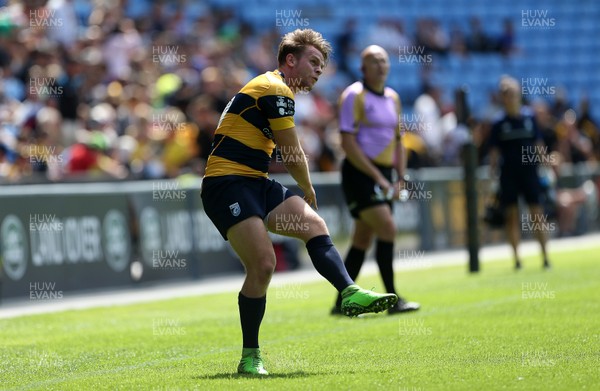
x=244, y=203
x=371, y=138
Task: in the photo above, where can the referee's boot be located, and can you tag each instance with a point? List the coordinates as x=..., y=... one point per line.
x=404, y=306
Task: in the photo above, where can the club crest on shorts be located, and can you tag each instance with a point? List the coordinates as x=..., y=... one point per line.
x=235, y=209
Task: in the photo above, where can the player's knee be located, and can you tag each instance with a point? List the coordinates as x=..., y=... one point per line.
x=387, y=230
x=316, y=226
x=263, y=270
x=265, y=273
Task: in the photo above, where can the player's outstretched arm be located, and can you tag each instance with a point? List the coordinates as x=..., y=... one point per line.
x=295, y=162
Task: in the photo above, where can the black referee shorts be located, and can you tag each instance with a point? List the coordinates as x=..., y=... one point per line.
x=230, y=199
x=359, y=188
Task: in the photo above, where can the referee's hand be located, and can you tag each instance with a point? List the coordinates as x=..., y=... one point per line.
x=387, y=189
x=398, y=187
x=384, y=184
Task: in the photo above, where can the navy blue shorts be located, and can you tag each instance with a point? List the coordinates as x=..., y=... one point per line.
x=231, y=199
x=359, y=188
x=524, y=181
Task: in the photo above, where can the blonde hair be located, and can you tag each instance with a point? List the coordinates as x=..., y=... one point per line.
x=295, y=42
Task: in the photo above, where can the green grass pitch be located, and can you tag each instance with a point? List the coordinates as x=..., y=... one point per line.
x=531, y=330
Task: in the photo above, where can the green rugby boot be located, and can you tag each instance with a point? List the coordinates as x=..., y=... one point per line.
x=356, y=301
x=251, y=363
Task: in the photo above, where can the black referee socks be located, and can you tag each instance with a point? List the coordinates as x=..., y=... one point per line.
x=354, y=261
x=384, y=254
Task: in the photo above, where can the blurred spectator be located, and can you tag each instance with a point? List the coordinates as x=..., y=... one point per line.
x=506, y=41
x=328, y=157
x=417, y=155
x=589, y=128
x=458, y=42
x=120, y=48
x=455, y=137
x=569, y=201
x=478, y=41
x=428, y=113
x=202, y=114
x=7, y=169
x=345, y=45
x=390, y=35
x=432, y=37
x=90, y=157
x=71, y=84
x=574, y=146
x=546, y=124
x=68, y=66
x=561, y=103
x=179, y=142
x=64, y=11
x=259, y=52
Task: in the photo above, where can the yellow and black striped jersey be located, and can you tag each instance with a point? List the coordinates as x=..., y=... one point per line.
x=243, y=141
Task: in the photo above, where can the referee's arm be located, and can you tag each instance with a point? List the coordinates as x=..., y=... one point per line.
x=400, y=151
x=399, y=163
x=359, y=160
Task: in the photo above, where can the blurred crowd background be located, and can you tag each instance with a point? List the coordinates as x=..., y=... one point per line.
x=114, y=89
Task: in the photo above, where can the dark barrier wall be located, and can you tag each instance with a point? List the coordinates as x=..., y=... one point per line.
x=173, y=237
x=68, y=241
x=57, y=238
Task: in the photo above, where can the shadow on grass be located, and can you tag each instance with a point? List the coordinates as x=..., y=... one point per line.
x=228, y=375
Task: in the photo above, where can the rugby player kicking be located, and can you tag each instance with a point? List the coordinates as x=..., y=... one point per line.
x=244, y=203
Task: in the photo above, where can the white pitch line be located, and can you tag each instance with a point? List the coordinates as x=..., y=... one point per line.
x=175, y=289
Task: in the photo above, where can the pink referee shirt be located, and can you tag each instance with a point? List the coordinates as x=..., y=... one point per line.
x=373, y=118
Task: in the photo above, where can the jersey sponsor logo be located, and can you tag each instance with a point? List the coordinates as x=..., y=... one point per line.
x=235, y=209
x=268, y=133
x=285, y=106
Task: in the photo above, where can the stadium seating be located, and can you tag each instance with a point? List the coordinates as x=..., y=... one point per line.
x=566, y=54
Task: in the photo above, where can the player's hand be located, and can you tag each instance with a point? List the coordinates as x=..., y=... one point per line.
x=310, y=196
